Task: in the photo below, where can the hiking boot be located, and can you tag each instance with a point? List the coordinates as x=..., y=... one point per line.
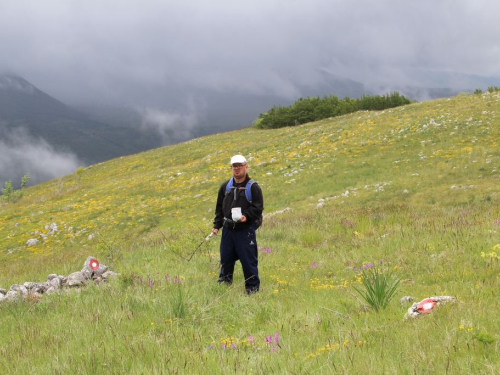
x=252, y=291
x=225, y=281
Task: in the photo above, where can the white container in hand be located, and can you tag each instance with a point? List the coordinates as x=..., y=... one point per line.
x=236, y=214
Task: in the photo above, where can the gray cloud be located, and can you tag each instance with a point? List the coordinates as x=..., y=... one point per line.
x=21, y=154
x=133, y=51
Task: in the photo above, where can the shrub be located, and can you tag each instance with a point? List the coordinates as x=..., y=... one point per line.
x=9, y=194
x=313, y=109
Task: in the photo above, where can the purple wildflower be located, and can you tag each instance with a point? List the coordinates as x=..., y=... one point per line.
x=273, y=341
x=496, y=222
x=250, y=339
x=233, y=346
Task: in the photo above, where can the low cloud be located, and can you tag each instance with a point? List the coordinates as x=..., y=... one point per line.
x=22, y=154
x=173, y=127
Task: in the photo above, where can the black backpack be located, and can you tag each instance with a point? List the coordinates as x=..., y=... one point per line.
x=248, y=195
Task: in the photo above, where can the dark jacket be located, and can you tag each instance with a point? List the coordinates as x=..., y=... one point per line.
x=225, y=202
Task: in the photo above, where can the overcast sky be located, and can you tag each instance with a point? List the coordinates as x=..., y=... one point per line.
x=132, y=51
x=180, y=63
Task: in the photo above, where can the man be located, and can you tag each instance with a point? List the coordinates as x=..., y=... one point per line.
x=239, y=215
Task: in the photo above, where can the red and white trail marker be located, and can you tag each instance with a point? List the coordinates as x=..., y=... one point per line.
x=94, y=264
x=427, y=305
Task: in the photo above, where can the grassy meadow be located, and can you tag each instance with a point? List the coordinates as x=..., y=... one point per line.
x=413, y=190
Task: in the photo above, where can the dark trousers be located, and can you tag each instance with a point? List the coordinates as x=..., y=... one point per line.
x=240, y=245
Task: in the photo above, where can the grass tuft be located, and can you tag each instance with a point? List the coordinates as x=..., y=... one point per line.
x=378, y=288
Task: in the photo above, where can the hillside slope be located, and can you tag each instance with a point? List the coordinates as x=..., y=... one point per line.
x=411, y=191
x=439, y=153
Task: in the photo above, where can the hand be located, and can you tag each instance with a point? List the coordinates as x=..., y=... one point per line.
x=215, y=231
x=243, y=219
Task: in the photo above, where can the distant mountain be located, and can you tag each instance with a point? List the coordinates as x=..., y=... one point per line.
x=66, y=129
x=40, y=120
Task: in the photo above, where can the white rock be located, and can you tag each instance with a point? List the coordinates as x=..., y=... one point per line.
x=86, y=272
x=52, y=228
x=76, y=279
x=29, y=285
x=40, y=288
x=101, y=270
x=55, y=283
x=32, y=242
x=414, y=311
x=12, y=295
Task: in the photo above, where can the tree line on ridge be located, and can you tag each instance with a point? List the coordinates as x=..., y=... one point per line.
x=314, y=108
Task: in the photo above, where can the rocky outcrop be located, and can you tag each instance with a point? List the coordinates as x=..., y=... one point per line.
x=92, y=271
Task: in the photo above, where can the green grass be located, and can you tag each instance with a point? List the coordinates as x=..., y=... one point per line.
x=415, y=188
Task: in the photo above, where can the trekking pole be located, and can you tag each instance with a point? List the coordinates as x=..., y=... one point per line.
x=201, y=243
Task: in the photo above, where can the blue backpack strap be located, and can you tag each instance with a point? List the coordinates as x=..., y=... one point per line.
x=229, y=186
x=248, y=190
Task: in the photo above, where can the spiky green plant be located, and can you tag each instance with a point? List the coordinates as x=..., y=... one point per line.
x=378, y=288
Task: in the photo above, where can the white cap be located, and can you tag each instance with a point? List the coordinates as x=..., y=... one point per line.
x=238, y=159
